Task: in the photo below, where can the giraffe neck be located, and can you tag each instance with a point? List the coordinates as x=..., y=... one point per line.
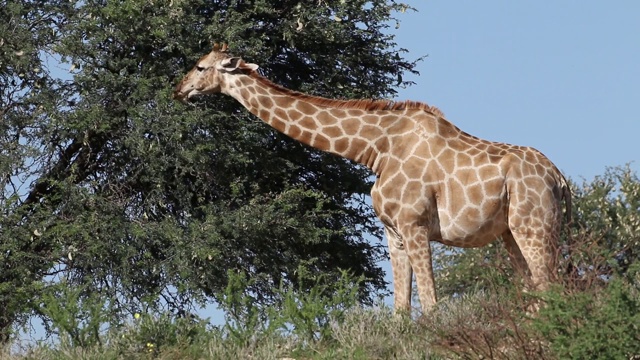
x=329, y=125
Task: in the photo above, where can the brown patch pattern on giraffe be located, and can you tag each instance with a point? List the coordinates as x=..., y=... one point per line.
x=434, y=181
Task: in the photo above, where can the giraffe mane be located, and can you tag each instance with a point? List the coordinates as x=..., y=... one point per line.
x=359, y=104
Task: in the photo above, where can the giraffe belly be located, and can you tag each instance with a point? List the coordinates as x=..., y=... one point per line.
x=471, y=233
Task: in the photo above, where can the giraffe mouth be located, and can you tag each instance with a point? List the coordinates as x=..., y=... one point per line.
x=178, y=96
x=185, y=95
x=182, y=96
x=182, y=92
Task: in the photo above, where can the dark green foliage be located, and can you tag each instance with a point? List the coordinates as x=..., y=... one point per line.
x=121, y=191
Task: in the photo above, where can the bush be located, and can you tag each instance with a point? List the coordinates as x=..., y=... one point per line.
x=589, y=325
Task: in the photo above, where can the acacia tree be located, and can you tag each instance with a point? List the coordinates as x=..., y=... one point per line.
x=111, y=187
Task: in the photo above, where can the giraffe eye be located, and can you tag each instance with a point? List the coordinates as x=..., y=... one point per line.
x=199, y=68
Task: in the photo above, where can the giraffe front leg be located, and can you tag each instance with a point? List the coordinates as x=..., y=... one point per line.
x=401, y=271
x=418, y=251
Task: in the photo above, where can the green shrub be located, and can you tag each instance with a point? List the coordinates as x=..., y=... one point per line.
x=306, y=316
x=154, y=334
x=588, y=325
x=75, y=320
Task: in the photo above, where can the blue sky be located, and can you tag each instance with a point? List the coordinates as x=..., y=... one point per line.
x=563, y=77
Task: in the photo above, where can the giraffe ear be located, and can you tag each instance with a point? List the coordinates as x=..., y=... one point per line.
x=235, y=63
x=249, y=66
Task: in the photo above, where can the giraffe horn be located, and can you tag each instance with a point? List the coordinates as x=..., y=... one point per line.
x=216, y=46
x=224, y=48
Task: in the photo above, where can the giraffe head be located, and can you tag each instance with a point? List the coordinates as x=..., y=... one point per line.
x=208, y=76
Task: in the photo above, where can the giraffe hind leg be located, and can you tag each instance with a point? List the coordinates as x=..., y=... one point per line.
x=537, y=255
x=517, y=258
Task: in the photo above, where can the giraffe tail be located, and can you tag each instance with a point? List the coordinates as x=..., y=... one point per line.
x=566, y=196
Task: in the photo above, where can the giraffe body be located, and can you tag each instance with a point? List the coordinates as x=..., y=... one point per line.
x=434, y=182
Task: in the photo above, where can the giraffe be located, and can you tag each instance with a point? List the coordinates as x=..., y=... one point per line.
x=434, y=182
